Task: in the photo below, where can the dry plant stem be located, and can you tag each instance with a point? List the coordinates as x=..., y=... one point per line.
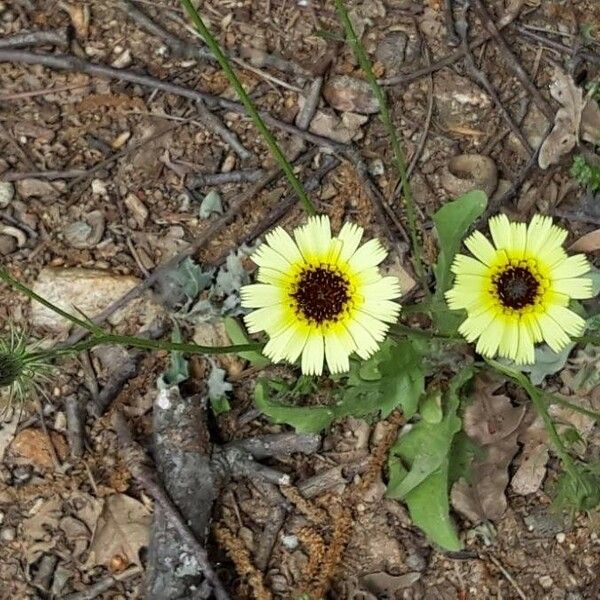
x=588, y=56
x=54, y=37
x=135, y=458
x=178, y=46
x=311, y=102
x=270, y=140
x=50, y=175
x=426, y=126
x=513, y=61
x=462, y=27
x=76, y=64
x=386, y=119
x=506, y=574
x=451, y=35
x=75, y=413
x=243, y=176
x=243, y=564
x=104, y=585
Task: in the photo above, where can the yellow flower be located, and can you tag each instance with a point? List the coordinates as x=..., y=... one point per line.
x=516, y=293
x=320, y=296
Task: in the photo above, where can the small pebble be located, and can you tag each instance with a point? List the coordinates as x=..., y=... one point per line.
x=7, y=193
x=290, y=542
x=8, y=534
x=21, y=474
x=546, y=582
x=561, y=537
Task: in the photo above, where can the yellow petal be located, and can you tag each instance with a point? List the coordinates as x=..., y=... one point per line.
x=350, y=235
x=313, y=354
x=500, y=228
x=481, y=248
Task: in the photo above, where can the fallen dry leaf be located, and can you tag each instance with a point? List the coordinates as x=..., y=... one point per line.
x=493, y=422
x=590, y=242
x=565, y=133
x=33, y=446
x=121, y=531
x=590, y=121
x=7, y=432
x=532, y=470
x=39, y=530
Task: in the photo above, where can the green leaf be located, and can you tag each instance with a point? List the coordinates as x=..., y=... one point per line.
x=220, y=405
x=402, y=380
x=419, y=469
x=178, y=370
x=307, y=419
x=430, y=510
x=452, y=222
x=431, y=407
x=237, y=335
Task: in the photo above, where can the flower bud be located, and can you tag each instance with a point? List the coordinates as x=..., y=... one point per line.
x=11, y=368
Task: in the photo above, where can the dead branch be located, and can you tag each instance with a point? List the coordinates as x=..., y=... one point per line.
x=54, y=37
x=137, y=462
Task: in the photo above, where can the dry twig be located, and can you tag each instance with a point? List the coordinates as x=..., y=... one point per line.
x=23, y=39
x=137, y=462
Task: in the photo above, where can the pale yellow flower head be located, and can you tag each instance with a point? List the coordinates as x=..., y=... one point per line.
x=516, y=292
x=320, y=296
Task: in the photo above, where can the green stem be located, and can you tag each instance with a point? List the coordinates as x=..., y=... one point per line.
x=405, y=330
x=20, y=287
x=276, y=151
x=102, y=337
x=386, y=119
x=574, y=407
x=537, y=397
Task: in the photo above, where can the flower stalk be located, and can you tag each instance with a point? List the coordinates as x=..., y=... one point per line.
x=386, y=119
x=269, y=138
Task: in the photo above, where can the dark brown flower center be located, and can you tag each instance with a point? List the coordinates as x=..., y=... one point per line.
x=517, y=287
x=321, y=294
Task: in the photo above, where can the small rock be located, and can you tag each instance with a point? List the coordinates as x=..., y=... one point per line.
x=120, y=140
x=7, y=193
x=99, y=188
x=138, y=209
x=331, y=126
x=290, y=542
x=390, y=51
x=21, y=474
x=8, y=244
x=88, y=233
x=123, y=60
x=35, y=188
x=561, y=537
x=8, y=534
x=89, y=290
x=33, y=446
x=345, y=93
x=228, y=164
x=458, y=101
x=546, y=582
x=376, y=167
